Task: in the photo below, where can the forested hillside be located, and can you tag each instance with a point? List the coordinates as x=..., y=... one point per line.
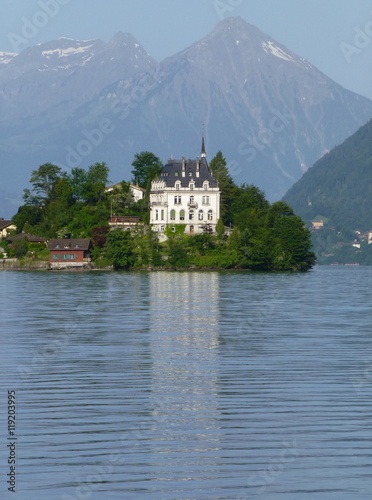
x=338, y=191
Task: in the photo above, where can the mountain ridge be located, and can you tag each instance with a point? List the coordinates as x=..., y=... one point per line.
x=271, y=112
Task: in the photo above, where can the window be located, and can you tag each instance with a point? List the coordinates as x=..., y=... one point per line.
x=206, y=185
x=200, y=215
x=162, y=229
x=177, y=200
x=56, y=256
x=156, y=214
x=172, y=214
x=68, y=256
x=176, y=174
x=192, y=199
x=191, y=215
x=178, y=185
x=205, y=200
x=210, y=215
x=182, y=215
x=191, y=186
x=190, y=174
x=162, y=214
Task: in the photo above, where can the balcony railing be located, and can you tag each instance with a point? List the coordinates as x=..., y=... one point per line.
x=159, y=203
x=192, y=204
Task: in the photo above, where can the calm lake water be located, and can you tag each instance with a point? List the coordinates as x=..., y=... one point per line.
x=188, y=386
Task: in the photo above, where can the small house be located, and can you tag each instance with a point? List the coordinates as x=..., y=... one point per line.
x=6, y=226
x=138, y=193
x=30, y=238
x=69, y=252
x=129, y=222
x=317, y=224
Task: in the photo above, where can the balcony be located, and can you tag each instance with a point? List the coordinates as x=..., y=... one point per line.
x=192, y=204
x=158, y=204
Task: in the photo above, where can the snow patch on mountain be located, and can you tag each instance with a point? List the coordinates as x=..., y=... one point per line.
x=6, y=57
x=66, y=52
x=270, y=47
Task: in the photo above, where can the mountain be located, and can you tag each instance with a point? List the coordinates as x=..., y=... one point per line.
x=337, y=190
x=59, y=76
x=271, y=112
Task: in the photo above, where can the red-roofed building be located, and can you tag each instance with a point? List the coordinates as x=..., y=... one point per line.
x=69, y=252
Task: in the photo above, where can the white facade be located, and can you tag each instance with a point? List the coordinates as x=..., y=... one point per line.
x=185, y=193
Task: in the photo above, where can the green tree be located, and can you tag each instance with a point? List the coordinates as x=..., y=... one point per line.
x=27, y=215
x=96, y=182
x=220, y=229
x=294, y=240
x=120, y=249
x=121, y=198
x=218, y=167
x=19, y=248
x=146, y=167
x=78, y=181
x=43, y=181
x=179, y=251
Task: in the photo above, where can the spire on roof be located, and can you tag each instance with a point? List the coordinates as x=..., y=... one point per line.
x=203, y=153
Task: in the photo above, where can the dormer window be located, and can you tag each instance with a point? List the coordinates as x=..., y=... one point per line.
x=206, y=185
x=192, y=186
x=178, y=185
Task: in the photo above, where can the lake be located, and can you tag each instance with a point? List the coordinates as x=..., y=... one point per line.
x=188, y=386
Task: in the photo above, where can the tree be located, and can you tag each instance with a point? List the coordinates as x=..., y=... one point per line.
x=27, y=215
x=220, y=229
x=95, y=183
x=19, y=248
x=146, y=167
x=121, y=198
x=294, y=239
x=78, y=180
x=120, y=249
x=43, y=181
x=228, y=188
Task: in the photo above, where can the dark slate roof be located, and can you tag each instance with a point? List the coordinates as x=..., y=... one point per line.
x=69, y=244
x=31, y=238
x=172, y=172
x=5, y=223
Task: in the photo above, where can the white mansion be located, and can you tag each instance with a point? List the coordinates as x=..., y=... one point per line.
x=185, y=193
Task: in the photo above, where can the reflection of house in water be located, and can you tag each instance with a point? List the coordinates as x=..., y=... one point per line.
x=184, y=346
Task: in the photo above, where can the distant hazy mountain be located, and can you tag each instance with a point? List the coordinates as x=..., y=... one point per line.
x=270, y=111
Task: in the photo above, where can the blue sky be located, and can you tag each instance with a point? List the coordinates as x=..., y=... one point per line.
x=334, y=35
